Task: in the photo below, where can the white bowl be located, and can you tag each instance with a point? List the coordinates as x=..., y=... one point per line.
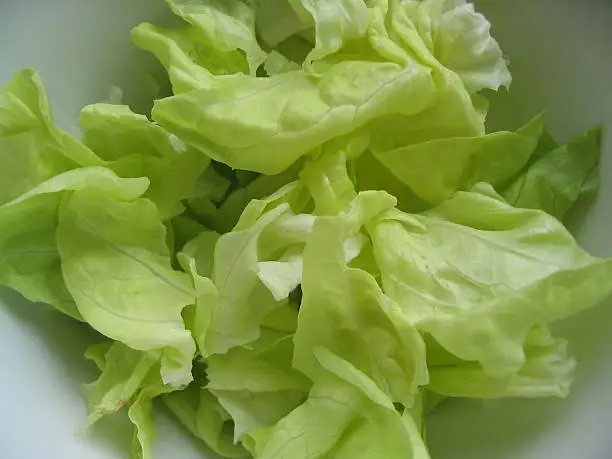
x=560, y=60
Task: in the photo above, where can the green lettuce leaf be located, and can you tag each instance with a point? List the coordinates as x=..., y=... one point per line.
x=115, y=131
x=559, y=177
x=478, y=274
x=346, y=416
x=190, y=65
x=436, y=169
x=453, y=112
x=201, y=413
x=29, y=259
x=344, y=310
x=390, y=78
x=227, y=288
x=116, y=265
x=32, y=148
x=335, y=22
x=129, y=378
x=460, y=39
x=256, y=383
x=327, y=177
x=141, y=415
x=124, y=373
x=139, y=148
x=266, y=124
x=227, y=26
x=548, y=371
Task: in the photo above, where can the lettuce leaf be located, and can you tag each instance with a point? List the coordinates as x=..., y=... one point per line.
x=227, y=26
x=116, y=266
x=266, y=123
x=460, y=39
x=129, y=378
x=478, y=274
x=32, y=149
x=136, y=147
x=344, y=310
x=559, y=177
x=29, y=261
x=224, y=271
x=355, y=412
x=436, y=169
x=548, y=371
x=201, y=413
x=124, y=374
x=271, y=388
x=335, y=22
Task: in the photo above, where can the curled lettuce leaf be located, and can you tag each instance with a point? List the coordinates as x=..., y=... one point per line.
x=30, y=261
x=335, y=22
x=116, y=266
x=344, y=310
x=227, y=289
x=436, y=169
x=548, y=371
x=200, y=412
x=136, y=147
x=256, y=384
x=355, y=412
x=460, y=39
x=129, y=378
x=558, y=178
x=523, y=268
x=372, y=67
x=227, y=26
x=266, y=124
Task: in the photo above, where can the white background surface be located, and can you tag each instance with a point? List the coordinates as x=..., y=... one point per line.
x=561, y=55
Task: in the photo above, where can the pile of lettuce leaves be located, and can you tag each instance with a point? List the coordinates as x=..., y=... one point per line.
x=311, y=241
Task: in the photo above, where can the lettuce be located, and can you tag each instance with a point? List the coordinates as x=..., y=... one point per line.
x=360, y=421
x=560, y=177
x=312, y=241
x=117, y=268
x=529, y=270
x=345, y=311
x=200, y=412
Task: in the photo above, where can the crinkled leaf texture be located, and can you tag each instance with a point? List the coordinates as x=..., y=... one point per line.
x=271, y=390
x=129, y=378
x=436, y=169
x=548, y=371
x=116, y=265
x=344, y=310
x=200, y=412
x=30, y=262
x=478, y=274
x=460, y=38
x=136, y=147
x=346, y=416
x=353, y=248
x=374, y=67
x=558, y=178
x=227, y=26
